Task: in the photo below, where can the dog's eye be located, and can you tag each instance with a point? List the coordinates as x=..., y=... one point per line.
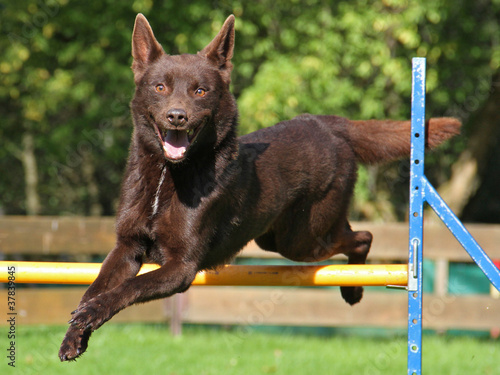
x=200, y=92
x=160, y=87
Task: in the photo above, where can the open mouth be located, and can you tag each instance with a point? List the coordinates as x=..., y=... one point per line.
x=175, y=143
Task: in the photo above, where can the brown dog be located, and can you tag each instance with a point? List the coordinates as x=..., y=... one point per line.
x=194, y=194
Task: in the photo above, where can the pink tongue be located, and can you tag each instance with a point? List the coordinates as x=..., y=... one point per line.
x=175, y=144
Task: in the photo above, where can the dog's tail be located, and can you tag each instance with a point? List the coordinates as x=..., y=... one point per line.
x=376, y=141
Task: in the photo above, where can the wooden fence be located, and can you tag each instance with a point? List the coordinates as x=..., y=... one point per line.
x=80, y=239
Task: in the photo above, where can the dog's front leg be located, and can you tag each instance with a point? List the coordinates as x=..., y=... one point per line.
x=120, y=264
x=174, y=277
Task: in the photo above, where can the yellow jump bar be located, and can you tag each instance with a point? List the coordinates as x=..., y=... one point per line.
x=333, y=275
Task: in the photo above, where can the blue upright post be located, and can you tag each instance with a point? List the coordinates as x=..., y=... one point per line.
x=415, y=252
x=422, y=191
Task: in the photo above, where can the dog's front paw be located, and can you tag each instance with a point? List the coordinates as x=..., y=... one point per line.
x=90, y=316
x=74, y=344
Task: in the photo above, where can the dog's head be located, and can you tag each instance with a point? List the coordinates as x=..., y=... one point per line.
x=182, y=100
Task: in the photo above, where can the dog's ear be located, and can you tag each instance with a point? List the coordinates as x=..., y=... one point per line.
x=145, y=47
x=220, y=50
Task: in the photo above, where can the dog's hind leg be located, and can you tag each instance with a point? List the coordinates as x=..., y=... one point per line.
x=356, y=246
x=305, y=246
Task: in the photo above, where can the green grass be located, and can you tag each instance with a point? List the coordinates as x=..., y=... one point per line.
x=142, y=349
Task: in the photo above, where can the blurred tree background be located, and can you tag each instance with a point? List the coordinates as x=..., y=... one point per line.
x=66, y=86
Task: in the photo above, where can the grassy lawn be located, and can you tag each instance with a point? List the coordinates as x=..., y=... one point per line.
x=142, y=349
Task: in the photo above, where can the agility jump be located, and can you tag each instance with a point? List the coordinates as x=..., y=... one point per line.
x=408, y=276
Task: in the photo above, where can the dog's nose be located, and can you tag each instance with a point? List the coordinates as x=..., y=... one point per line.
x=177, y=117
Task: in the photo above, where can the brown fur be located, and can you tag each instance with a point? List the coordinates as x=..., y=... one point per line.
x=376, y=141
x=193, y=194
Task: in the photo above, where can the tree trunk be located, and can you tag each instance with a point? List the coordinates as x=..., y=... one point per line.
x=466, y=172
x=28, y=160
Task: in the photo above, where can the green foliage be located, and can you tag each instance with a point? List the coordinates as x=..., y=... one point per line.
x=65, y=77
x=353, y=59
